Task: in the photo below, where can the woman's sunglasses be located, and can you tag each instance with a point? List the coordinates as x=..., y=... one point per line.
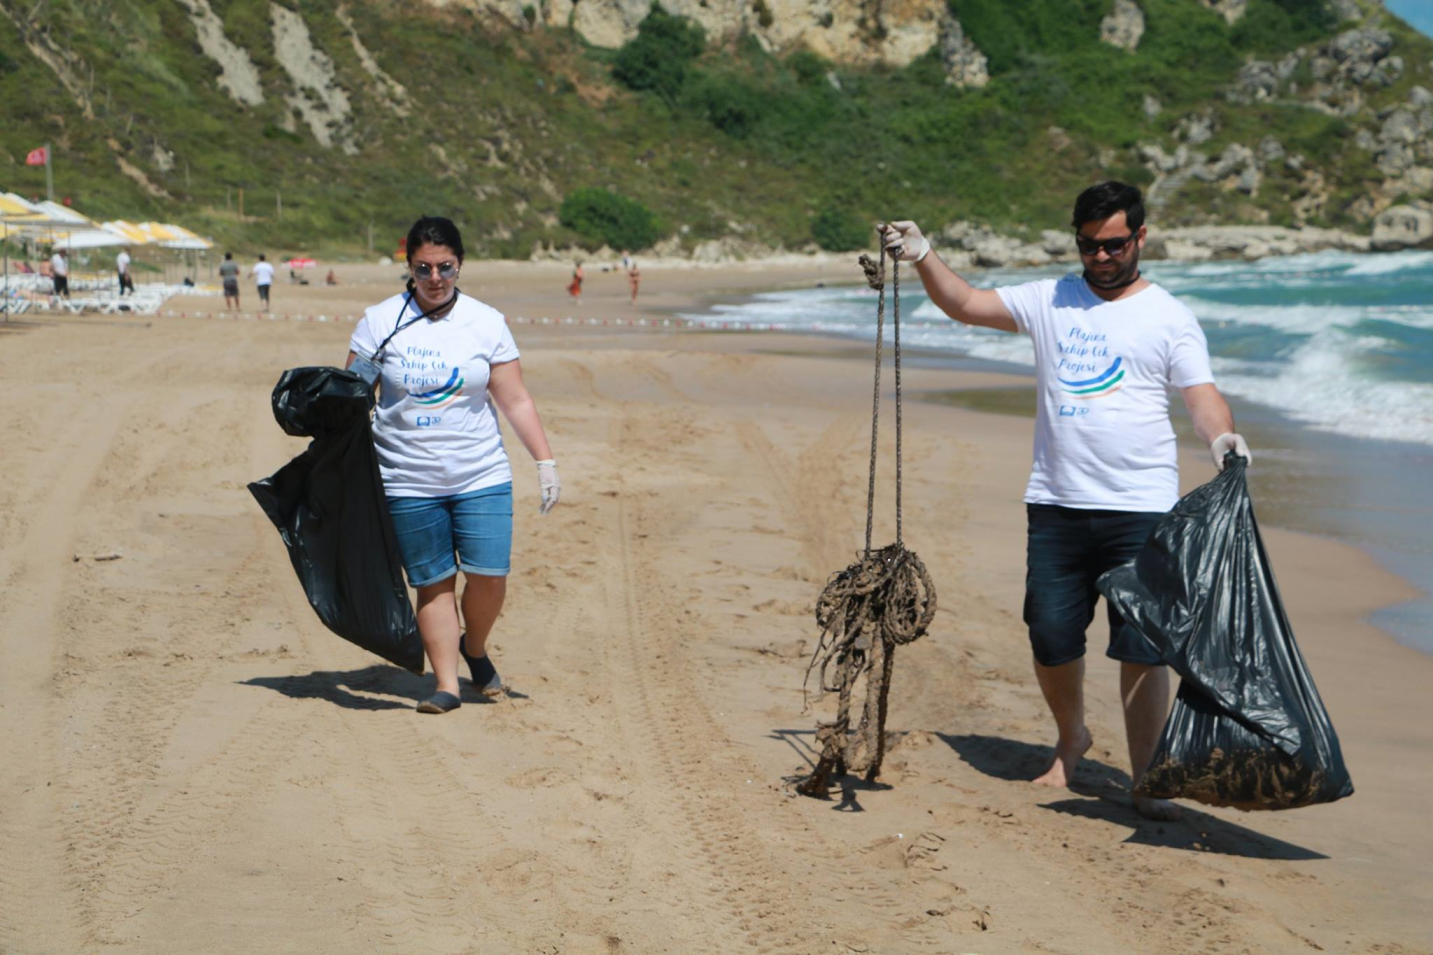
x=446, y=270
x=1112, y=247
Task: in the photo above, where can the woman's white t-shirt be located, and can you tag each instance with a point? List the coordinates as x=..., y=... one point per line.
x=436, y=430
x=1103, y=371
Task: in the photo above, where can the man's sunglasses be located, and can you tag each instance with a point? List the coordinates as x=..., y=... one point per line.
x=1112, y=247
x=446, y=270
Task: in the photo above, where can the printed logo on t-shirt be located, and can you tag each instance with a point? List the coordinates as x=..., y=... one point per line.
x=443, y=395
x=430, y=381
x=1084, y=368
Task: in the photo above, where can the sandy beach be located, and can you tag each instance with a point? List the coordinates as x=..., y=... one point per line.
x=193, y=763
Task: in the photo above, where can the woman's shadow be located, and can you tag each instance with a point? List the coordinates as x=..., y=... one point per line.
x=1106, y=792
x=376, y=687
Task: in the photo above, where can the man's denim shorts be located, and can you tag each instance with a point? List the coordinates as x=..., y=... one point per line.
x=1067, y=550
x=478, y=525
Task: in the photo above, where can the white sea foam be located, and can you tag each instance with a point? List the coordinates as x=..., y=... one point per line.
x=1323, y=378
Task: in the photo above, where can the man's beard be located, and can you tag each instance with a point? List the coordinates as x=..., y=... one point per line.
x=1125, y=275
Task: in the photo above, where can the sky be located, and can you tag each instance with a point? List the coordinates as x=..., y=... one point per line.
x=1417, y=13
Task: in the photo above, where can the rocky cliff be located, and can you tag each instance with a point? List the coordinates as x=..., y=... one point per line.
x=311, y=122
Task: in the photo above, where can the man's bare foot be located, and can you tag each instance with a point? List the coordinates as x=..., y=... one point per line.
x=1067, y=755
x=1160, y=810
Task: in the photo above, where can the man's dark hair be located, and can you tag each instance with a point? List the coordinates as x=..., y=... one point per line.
x=261, y=256
x=434, y=230
x=228, y=255
x=1104, y=200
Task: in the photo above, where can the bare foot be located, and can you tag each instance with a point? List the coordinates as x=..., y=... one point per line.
x=1160, y=810
x=1067, y=755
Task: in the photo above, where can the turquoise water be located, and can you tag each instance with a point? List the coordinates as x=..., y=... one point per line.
x=1327, y=359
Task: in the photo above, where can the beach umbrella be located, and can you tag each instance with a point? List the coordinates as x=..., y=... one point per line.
x=65, y=214
x=133, y=233
x=19, y=217
x=182, y=238
x=301, y=263
x=88, y=239
x=169, y=236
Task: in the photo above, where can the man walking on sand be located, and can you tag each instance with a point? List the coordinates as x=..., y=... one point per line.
x=229, y=275
x=1109, y=346
x=263, y=274
x=121, y=265
x=60, y=272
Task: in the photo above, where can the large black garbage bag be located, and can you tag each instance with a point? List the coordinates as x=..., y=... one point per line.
x=1248, y=729
x=328, y=506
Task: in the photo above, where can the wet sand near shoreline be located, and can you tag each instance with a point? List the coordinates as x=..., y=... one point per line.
x=193, y=761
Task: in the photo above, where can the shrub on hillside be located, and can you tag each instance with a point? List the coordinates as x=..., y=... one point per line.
x=838, y=229
x=656, y=58
x=730, y=105
x=605, y=218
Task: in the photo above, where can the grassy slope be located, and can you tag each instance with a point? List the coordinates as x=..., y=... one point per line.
x=544, y=105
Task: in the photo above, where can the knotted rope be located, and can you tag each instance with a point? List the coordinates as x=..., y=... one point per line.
x=884, y=600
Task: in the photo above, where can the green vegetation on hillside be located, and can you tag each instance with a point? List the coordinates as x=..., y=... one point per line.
x=715, y=137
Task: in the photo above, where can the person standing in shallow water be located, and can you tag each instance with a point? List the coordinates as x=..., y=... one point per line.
x=444, y=361
x=1109, y=346
x=574, y=288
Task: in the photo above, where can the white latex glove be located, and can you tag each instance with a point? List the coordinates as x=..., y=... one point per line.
x=1226, y=442
x=903, y=241
x=550, y=485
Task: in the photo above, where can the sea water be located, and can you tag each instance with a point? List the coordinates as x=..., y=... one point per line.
x=1327, y=359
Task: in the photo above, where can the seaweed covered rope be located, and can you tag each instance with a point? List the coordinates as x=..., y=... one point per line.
x=882, y=601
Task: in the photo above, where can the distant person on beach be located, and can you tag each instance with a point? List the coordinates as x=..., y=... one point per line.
x=263, y=275
x=330, y=278
x=229, y=275
x=634, y=276
x=1109, y=346
x=60, y=272
x=446, y=359
x=121, y=264
x=575, y=287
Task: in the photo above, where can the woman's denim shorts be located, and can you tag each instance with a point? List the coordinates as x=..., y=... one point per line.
x=478, y=525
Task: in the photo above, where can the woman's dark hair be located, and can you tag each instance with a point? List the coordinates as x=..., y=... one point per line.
x=434, y=230
x=1104, y=200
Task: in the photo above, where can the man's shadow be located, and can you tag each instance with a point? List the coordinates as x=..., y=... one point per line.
x=1107, y=798
x=376, y=687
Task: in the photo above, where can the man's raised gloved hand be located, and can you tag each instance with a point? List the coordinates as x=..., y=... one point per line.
x=903, y=241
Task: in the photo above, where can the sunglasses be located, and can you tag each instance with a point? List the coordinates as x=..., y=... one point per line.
x=446, y=270
x=1112, y=247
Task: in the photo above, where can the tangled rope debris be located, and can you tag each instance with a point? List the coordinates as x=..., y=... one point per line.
x=884, y=600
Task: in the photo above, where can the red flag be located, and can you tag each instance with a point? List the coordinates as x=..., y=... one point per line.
x=37, y=157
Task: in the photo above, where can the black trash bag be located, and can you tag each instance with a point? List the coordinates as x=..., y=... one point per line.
x=329, y=508
x=1248, y=729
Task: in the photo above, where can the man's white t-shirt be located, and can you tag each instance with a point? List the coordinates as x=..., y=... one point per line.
x=59, y=265
x=263, y=273
x=1103, y=372
x=436, y=430
x=121, y=261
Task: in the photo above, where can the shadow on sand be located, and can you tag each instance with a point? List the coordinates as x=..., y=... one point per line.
x=800, y=742
x=1102, y=792
x=376, y=687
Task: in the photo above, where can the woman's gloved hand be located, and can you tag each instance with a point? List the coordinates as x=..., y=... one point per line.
x=903, y=241
x=1226, y=442
x=549, y=484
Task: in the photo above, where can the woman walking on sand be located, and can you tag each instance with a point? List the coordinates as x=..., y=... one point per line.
x=442, y=360
x=575, y=288
x=634, y=276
